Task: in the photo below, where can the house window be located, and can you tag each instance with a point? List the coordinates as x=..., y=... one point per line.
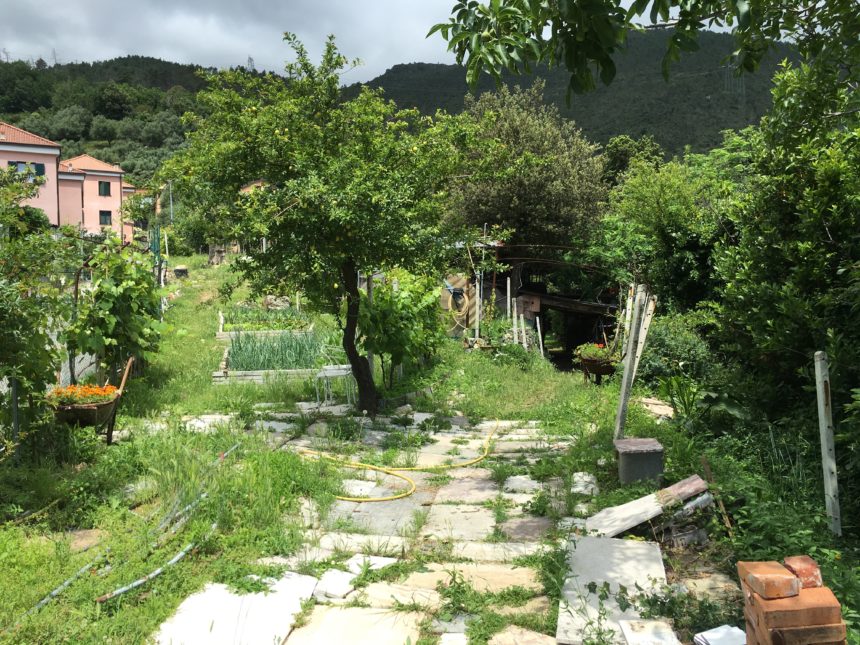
x=104, y=218
x=104, y=188
x=36, y=169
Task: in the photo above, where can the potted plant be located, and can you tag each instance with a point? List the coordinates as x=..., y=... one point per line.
x=83, y=405
x=597, y=358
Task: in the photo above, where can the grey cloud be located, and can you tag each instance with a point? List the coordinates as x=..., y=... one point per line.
x=222, y=33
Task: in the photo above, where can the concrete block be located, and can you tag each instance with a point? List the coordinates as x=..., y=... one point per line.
x=334, y=583
x=648, y=632
x=358, y=626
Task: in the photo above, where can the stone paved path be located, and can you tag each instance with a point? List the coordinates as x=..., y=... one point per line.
x=459, y=521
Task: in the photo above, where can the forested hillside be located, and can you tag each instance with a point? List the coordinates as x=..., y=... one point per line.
x=127, y=110
x=124, y=111
x=700, y=100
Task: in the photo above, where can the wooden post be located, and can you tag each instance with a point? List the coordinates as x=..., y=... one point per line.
x=477, y=309
x=828, y=451
x=514, y=320
x=298, y=302
x=508, y=301
x=629, y=360
x=523, y=331
x=643, y=332
x=539, y=335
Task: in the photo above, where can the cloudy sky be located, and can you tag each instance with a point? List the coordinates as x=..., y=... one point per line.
x=222, y=33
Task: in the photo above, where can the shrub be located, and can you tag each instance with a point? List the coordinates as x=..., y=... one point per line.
x=674, y=347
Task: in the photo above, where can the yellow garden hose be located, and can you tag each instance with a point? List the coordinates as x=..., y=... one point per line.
x=395, y=471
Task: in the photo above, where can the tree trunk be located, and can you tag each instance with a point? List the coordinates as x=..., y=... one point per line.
x=360, y=366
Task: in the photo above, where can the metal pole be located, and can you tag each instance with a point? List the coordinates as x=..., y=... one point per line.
x=828, y=450
x=523, y=331
x=514, y=321
x=370, y=302
x=508, y=300
x=170, y=193
x=477, y=308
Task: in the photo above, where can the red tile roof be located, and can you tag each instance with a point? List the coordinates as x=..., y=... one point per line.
x=10, y=134
x=86, y=162
x=64, y=167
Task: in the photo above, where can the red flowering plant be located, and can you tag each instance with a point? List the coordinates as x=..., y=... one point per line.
x=81, y=395
x=597, y=352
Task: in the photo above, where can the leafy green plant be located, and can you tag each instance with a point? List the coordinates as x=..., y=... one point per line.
x=251, y=317
x=597, y=352
x=119, y=316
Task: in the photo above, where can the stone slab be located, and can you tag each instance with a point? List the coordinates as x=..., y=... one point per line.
x=648, y=632
x=453, y=639
x=483, y=577
x=305, y=555
x=382, y=518
x=469, y=473
x=206, y=422
x=392, y=545
x=584, y=484
x=462, y=522
x=386, y=595
x=357, y=563
x=513, y=635
x=467, y=491
x=714, y=586
x=521, y=484
x=526, y=529
x=275, y=426
x=457, y=624
x=216, y=616
x=537, y=605
x=358, y=626
x=604, y=560
x=358, y=487
x=334, y=583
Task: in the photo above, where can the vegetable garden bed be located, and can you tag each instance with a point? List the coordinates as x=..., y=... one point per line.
x=256, y=358
x=261, y=322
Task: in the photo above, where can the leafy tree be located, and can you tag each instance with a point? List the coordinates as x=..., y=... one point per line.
x=31, y=300
x=662, y=228
x=350, y=186
x=70, y=123
x=22, y=88
x=103, y=129
x=113, y=101
x=530, y=171
x=622, y=151
x=515, y=34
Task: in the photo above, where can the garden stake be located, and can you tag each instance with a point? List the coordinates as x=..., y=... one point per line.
x=156, y=573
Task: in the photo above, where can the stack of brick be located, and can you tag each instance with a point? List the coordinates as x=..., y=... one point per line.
x=788, y=604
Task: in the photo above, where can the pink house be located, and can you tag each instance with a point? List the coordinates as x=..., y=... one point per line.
x=20, y=148
x=82, y=191
x=102, y=194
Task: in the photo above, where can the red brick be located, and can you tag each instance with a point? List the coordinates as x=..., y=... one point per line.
x=770, y=580
x=751, y=636
x=809, y=635
x=806, y=569
x=815, y=606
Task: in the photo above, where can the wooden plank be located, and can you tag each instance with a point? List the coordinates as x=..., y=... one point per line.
x=523, y=332
x=515, y=320
x=828, y=449
x=563, y=303
x=628, y=312
x=539, y=335
x=643, y=332
x=629, y=357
